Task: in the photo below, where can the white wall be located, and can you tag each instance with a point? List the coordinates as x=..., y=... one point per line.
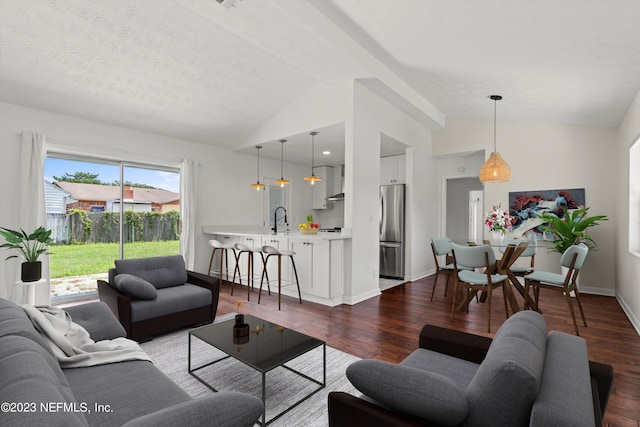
x=546, y=156
x=627, y=265
x=372, y=116
x=225, y=196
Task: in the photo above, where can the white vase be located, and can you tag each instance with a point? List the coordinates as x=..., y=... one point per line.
x=496, y=237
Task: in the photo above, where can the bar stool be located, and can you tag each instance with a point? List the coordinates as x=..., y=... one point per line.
x=223, y=247
x=271, y=251
x=250, y=251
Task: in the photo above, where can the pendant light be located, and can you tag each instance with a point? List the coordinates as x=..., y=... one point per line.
x=312, y=178
x=258, y=185
x=282, y=182
x=495, y=169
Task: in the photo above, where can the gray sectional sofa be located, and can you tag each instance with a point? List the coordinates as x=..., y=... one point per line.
x=523, y=377
x=131, y=393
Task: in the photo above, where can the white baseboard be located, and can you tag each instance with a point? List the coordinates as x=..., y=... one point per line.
x=359, y=298
x=635, y=322
x=597, y=291
x=422, y=275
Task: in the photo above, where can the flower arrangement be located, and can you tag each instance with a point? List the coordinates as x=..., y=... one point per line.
x=498, y=220
x=309, y=227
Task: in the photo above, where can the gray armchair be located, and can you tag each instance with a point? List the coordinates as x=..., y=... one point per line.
x=150, y=296
x=524, y=376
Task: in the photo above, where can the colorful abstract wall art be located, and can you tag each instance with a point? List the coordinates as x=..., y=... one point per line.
x=526, y=207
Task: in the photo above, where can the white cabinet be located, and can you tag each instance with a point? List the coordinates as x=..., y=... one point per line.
x=322, y=189
x=336, y=270
x=393, y=170
x=313, y=263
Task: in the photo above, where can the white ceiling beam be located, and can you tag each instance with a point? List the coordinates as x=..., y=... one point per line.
x=324, y=19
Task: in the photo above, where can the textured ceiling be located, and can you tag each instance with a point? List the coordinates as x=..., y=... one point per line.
x=567, y=61
x=196, y=70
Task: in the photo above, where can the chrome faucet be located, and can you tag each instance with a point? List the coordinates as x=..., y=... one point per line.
x=275, y=218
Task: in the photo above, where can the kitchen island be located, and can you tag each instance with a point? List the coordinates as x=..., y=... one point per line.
x=322, y=261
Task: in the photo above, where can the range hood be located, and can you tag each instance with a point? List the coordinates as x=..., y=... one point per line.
x=340, y=195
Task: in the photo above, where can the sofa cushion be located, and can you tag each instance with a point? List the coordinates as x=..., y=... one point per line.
x=162, y=272
x=31, y=375
x=135, y=286
x=225, y=408
x=170, y=300
x=98, y=319
x=507, y=381
x=460, y=371
x=147, y=390
x=565, y=396
x=427, y=395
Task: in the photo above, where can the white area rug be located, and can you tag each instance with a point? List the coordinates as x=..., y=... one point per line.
x=170, y=353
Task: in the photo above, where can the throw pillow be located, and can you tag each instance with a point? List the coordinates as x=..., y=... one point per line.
x=135, y=286
x=419, y=393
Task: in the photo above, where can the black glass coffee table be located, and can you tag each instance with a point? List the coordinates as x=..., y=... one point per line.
x=266, y=347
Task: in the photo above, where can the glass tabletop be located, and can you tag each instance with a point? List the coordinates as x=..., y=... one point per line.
x=267, y=345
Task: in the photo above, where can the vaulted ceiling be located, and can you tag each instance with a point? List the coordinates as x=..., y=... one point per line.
x=197, y=70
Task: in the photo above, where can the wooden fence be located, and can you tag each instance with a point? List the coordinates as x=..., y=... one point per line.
x=104, y=227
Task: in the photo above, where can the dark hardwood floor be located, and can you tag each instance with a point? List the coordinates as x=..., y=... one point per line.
x=387, y=328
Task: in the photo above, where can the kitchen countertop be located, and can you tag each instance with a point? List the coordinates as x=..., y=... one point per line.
x=254, y=230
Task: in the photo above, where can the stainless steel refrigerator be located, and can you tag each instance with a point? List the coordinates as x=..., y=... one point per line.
x=392, y=231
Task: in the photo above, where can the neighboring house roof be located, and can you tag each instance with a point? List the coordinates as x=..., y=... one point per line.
x=100, y=192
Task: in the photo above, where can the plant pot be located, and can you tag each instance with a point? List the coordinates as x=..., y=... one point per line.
x=31, y=271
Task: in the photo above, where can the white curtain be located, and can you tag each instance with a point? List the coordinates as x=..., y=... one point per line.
x=28, y=211
x=189, y=171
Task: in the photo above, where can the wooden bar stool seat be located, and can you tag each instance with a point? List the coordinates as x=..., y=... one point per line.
x=270, y=251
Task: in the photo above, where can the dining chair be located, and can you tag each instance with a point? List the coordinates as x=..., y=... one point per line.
x=476, y=257
x=441, y=246
x=572, y=259
x=529, y=252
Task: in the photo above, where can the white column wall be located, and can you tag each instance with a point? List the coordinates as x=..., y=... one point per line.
x=372, y=116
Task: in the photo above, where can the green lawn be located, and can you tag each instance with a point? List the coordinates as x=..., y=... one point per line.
x=79, y=260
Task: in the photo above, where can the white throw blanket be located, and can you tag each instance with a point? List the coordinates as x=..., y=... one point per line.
x=71, y=343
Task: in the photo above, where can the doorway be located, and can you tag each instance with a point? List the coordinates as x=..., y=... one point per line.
x=464, y=204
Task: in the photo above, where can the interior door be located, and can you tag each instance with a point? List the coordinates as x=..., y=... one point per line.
x=475, y=215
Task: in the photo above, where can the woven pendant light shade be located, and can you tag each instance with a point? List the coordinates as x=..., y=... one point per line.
x=495, y=169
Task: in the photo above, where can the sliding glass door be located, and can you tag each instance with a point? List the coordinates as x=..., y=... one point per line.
x=101, y=211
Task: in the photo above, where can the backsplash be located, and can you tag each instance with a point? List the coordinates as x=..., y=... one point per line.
x=330, y=217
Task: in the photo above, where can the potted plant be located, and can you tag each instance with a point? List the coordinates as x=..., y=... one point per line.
x=570, y=228
x=30, y=246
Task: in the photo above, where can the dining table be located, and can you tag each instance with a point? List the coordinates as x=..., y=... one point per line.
x=503, y=266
